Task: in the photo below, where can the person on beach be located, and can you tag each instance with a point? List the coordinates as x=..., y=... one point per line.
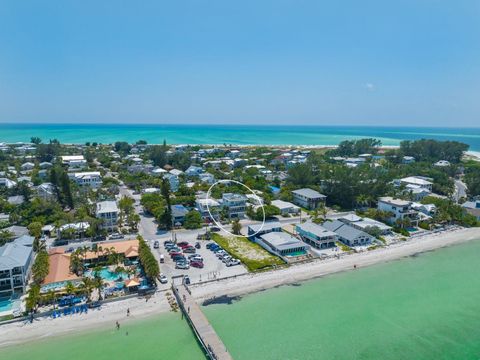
x=117, y=325
x=128, y=311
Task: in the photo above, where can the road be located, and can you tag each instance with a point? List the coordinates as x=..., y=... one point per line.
x=460, y=190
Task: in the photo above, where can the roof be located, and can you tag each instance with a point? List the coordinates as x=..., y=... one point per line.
x=59, y=268
x=268, y=226
x=283, y=204
x=396, y=202
x=281, y=241
x=15, y=253
x=343, y=230
x=234, y=197
x=176, y=172
x=315, y=229
x=309, y=193
x=72, y=157
x=416, y=181
x=109, y=206
x=179, y=210
x=132, y=282
x=127, y=247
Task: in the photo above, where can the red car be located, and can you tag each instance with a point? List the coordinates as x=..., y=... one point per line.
x=172, y=254
x=197, y=264
x=183, y=244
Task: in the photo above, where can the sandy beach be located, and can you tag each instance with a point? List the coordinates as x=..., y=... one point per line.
x=20, y=332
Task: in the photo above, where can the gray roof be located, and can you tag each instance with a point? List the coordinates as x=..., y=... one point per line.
x=14, y=254
x=16, y=200
x=343, y=230
x=108, y=206
x=281, y=241
x=316, y=229
x=179, y=210
x=17, y=230
x=309, y=193
x=268, y=226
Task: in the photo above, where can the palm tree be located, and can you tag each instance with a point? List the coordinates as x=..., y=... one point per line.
x=98, y=284
x=69, y=288
x=87, y=286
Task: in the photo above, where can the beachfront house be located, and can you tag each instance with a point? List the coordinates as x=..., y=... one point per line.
x=282, y=244
x=347, y=234
x=400, y=210
x=286, y=208
x=90, y=179
x=365, y=224
x=235, y=204
x=308, y=198
x=256, y=230
x=316, y=235
x=15, y=263
x=108, y=211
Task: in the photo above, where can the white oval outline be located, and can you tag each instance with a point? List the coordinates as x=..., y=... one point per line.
x=242, y=184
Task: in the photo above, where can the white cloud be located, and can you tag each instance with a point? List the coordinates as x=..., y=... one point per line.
x=369, y=86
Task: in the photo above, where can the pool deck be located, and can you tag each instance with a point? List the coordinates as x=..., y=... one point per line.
x=210, y=341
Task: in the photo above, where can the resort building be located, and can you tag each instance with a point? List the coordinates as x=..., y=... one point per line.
x=308, y=198
x=282, y=244
x=286, y=208
x=347, y=234
x=316, y=235
x=15, y=263
x=91, y=179
x=236, y=205
x=107, y=211
x=74, y=161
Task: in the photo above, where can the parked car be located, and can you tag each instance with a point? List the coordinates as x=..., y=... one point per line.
x=226, y=258
x=163, y=279
x=196, y=257
x=174, y=249
x=189, y=250
x=116, y=236
x=186, y=279
x=162, y=258
x=182, y=243
x=214, y=228
x=167, y=242
x=156, y=245
x=233, y=262
x=197, y=245
x=197, y=264
x=176, y=253
x=182, y=265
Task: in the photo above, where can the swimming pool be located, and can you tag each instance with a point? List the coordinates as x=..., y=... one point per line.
x=6, y=304
x=107, y=275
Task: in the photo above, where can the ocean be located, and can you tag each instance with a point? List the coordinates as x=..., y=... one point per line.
x=230, y=134
x=423, y=307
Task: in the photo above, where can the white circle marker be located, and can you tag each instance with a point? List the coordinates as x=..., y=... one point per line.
x=242, y=184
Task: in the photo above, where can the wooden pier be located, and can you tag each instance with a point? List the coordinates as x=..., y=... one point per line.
x=206, y=335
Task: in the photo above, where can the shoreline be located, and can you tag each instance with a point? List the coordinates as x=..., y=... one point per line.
x=44, y=328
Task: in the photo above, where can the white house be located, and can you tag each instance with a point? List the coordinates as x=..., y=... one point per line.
x=286, y=207
x=236, y=205
x=92, y=179
x=108, y=212
x=15, y=263
x=74, y=161
x=417, y=181
x=205, y=205
x=442, y=163
x=282, y=244
x=400, y=209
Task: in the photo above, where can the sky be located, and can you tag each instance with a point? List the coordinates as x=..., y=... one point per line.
x=342, y=62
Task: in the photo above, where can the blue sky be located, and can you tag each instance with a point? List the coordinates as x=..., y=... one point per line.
x=409, y=62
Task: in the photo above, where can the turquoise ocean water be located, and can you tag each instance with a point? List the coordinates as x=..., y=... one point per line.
x=230, y=134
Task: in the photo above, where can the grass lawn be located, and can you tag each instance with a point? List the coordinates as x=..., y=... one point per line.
x=252, y=255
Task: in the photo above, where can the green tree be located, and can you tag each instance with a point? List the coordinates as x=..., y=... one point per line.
x=193, y=220
x=236, y=227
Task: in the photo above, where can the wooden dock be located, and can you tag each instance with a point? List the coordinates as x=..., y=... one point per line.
x=206, y=335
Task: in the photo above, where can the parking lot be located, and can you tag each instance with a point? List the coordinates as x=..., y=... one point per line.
x=213, y=267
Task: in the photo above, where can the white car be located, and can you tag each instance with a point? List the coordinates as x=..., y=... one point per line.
x=163, y=279
x=233, y=262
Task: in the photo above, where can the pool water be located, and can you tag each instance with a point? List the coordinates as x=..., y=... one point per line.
x=107, y=274
x=6, y=305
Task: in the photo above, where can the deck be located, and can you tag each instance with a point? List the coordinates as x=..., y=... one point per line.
x=206, y=335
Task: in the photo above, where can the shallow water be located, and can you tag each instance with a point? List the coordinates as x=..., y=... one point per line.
x=426, y=307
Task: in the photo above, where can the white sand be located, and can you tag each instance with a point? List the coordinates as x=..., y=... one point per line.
x=22, y=332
